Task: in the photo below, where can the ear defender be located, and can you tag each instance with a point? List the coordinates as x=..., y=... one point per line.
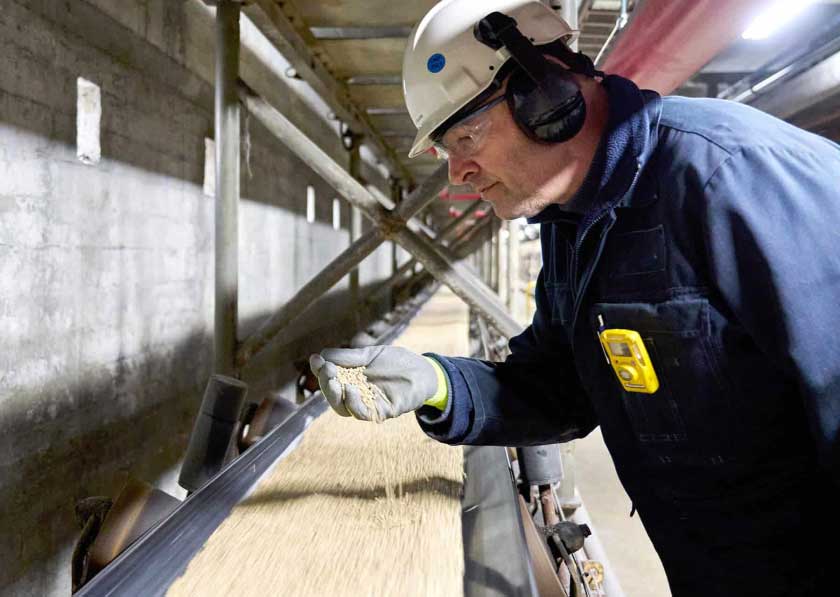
x=552, y=111
x=545, y=100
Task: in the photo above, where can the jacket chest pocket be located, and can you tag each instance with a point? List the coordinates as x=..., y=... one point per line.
x=688, y=420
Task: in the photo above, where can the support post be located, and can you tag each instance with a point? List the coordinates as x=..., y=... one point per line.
x=497, y=255
x=355, y=224
x=486, y=255
x=397, y=198
x=513, y=297
x=227, y=186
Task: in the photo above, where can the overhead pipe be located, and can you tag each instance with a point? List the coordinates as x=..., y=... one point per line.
x=667, y=42
x=797, y=86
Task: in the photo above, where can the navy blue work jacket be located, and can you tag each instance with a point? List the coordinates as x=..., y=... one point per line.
x=713, y=230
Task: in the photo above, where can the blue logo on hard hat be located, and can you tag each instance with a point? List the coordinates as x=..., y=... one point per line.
x=436, y=63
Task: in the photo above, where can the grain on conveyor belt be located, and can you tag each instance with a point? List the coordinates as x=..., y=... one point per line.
x=355, y=510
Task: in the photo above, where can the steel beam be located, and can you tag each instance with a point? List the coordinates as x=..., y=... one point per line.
x=383, y=111
x=332, y=273
x=271, y=19
x=355, y=168
x=375, y=80
x=413, y=224
x=420, y=197
x=360, y=32
x=466, y=213
x=435, y=259
x=495, y=259
x=806, y=89
x=470, y=242
x=227, y=187
x=312, y=155
x=446, y=234
x=343, y=182
x=460, y=280
x=312, y=290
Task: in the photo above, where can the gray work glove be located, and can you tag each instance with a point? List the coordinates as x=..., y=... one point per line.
x=406, y=380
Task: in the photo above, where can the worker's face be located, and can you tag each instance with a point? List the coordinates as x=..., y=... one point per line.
x=518, y=176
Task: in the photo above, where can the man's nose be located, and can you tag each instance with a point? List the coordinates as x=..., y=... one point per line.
x=461, y=169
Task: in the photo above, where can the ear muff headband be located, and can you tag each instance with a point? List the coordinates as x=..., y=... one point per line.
x=545, y=100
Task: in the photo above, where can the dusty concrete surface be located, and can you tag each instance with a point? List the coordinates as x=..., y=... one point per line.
x=106, y=269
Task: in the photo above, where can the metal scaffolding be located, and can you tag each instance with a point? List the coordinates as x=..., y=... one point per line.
x=441, y=253
x=394, y=224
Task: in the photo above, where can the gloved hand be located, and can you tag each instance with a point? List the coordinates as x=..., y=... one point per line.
x=406, y=380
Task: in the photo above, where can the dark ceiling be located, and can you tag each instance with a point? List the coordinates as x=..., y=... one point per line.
x=787, y=74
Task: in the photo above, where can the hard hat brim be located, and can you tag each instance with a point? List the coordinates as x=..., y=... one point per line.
x=422, y=140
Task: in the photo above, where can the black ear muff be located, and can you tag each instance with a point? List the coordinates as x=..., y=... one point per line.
x=544, y=98
x=552, y=111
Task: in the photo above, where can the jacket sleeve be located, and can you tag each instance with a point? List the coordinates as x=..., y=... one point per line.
x=533, y=398
x=772, y=228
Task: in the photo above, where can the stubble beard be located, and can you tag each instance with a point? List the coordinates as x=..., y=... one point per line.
x=514, y=206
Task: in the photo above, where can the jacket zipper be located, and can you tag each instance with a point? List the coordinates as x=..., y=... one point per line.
x=584, y=282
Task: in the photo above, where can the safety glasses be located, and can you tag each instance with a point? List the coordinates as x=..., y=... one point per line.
x=464, y=139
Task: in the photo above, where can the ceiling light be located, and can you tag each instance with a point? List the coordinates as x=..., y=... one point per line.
x=776, y=16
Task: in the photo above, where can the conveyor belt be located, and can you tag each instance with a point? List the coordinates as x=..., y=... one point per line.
x=496, y=561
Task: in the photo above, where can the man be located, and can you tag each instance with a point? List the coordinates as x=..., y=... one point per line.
x=706, y=227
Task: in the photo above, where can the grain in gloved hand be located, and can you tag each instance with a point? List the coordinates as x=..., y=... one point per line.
x=400, y=380
x=355, y=378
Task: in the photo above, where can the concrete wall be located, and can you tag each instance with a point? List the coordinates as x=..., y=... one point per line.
x=106, y=270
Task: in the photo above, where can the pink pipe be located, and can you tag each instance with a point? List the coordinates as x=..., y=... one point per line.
x=668, y=41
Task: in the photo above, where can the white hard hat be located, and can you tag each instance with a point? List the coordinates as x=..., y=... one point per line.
x=445, y=66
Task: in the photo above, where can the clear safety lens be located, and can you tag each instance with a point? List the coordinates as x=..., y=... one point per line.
x=466, y=138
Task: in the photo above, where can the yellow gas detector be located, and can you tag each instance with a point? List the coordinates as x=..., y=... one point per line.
x=626, y=353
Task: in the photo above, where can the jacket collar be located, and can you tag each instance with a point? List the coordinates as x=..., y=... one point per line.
x=625, y=149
